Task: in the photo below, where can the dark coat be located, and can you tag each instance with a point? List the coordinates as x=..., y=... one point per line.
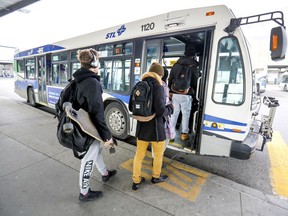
x=154, y=130
x=89, y=96
x=193, y=64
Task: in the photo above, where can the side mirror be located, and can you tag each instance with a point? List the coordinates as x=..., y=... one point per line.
x=278, y=43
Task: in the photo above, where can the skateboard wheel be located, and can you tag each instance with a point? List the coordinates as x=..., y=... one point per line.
x=65, y=104
x=68, y=127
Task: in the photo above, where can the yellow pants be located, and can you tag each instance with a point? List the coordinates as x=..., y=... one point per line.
x=158, y=149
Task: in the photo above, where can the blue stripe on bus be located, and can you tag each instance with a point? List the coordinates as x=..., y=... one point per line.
x=223, y=121
x=221, y=130
x=39, y=50
x=124, y=98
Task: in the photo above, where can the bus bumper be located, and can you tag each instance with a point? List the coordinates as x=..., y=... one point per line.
x=243, y=150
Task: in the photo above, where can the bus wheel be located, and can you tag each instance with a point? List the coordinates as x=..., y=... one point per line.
x=31, y=97
x=116, y=120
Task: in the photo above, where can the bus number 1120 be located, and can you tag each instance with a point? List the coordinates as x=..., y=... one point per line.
x=148, y=26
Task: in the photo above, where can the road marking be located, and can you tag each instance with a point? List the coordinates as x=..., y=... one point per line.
x=278, y=153
x=183, y=180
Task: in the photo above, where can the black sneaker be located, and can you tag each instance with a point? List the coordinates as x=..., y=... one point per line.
x=135, y=186
x=91, y=195
x=161, y=178
x=110, y=174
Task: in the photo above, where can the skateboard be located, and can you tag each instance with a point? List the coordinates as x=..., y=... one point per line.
x=82, y=118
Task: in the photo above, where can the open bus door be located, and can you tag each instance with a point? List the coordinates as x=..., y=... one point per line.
x=229, y=126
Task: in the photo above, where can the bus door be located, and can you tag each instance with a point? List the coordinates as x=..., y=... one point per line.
x=42, y=79
x=152, y=53
x=227, y=106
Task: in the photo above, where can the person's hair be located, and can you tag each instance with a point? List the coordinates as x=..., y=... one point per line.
x=156, y=67
x=86, y=56
x=190, y=50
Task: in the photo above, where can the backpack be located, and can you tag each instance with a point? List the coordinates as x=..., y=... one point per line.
x=76, y=140
x=66, y=95
x=182, y=81
x=141, y=101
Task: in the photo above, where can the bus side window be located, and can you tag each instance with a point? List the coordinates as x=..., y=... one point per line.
x=120, y=75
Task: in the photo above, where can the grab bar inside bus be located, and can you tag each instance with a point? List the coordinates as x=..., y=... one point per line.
x=197, y=89
x=194, y=122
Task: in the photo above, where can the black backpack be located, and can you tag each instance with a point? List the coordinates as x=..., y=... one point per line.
x=141, y=101
x=76, y=140
x=182, y=81
x=67, y=95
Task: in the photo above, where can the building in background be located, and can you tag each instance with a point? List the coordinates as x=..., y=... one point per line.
x=6, y=61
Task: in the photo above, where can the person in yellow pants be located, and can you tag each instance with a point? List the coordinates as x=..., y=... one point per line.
x=152, y=131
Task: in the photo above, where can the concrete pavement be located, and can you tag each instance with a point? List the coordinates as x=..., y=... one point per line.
x=39, y=177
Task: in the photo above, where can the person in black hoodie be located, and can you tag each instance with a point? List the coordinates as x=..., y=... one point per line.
x=183, y=102
x=89, y=98
x=152, y=131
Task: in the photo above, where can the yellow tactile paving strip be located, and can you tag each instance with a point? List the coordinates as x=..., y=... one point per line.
x=278, y=153
x=184, y=180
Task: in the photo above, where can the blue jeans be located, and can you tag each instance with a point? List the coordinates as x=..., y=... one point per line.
x=181, y=103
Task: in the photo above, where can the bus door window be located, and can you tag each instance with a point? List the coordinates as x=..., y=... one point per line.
x=152, y=53
x=120, y=75
x=41, y=78
x=172, y=50
x=48, y=69
x=229, y=77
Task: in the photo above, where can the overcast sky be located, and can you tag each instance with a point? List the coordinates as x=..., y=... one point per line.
x=53, y=20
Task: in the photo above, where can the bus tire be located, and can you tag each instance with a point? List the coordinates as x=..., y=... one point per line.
x=116, y=120
x=31, y=97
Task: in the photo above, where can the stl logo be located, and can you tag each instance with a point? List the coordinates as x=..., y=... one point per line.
x=121, y=30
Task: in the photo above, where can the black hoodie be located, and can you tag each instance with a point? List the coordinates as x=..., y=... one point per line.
x=193, y=64
x=89, y=96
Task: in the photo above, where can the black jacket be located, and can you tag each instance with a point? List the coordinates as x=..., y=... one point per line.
x=89, y=96
x=193, y=64
x=153, y=130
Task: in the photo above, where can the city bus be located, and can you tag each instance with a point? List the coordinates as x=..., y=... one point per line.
x=224, y=120
x=283, y=84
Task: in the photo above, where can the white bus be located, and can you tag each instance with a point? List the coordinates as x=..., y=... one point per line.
x=283, y=84
x=226, y=103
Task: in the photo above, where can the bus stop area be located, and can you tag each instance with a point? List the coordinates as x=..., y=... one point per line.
x=40, y=177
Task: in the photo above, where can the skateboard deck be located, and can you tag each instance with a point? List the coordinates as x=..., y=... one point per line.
x=81, y=117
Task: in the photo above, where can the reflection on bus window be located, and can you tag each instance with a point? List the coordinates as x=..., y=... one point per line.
x=30, y=68
x=115, y=50
x=60, y=73
x=60, y=57
x=105, y=73
x=105, y=51
x=229, y=80
x=152, y=54
x=120, y=75
x=20, y=68
x=75, y=66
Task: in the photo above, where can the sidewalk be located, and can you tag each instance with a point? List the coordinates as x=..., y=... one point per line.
x=39, y=177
